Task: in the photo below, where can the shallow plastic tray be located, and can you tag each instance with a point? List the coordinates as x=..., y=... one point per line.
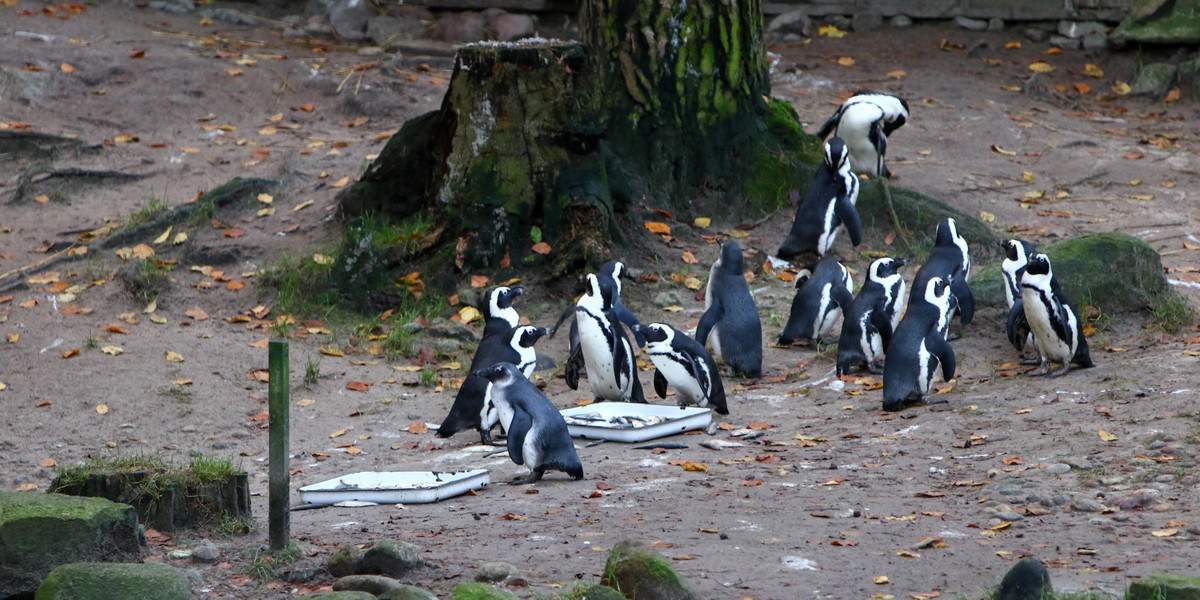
x=619, y=421
x=395, y=487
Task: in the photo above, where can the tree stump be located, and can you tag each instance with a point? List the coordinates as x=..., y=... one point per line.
x=166, y=507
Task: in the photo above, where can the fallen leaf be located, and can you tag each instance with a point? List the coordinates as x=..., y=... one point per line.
x=999, y=150
x=1012, y=460
x=70, y=353
x=196, y=313
x=831, y=31
x=468, y=314
x=1082, y=88
x=1041, y=67
x=1107, y=437
x=322, y=259
x=41, y=199
x=112, y=350
x=27, y=487
x=658, y=227
x=1121, y=88
x=174, y=357
x=690, y=258
x=162, y=238
x=1172, y=96
x=1135, y=155
x=898, y=74
x=881, y=580
x=1165, y=533
x=418, y=428
x=331, y=351
x=1092, y=70
x=358, y=386
x=235, y=285
x=702, y=222
x=266, y=198
x=302, y=205
x=137, y=54
x=846, y=61
x=102, y=409
x=340, y=183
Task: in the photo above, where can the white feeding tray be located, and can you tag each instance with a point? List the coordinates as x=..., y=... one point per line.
x=627, y=422
x=396, y=487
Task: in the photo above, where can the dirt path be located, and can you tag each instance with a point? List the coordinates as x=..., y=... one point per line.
x=834, y=494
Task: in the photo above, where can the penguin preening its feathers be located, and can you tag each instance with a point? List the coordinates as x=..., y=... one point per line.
x=829, y=204
x=949, y=259
x=538, y=436
x=864, y=121
x=1052, y=318
x=868, y=324
x=919, y=346
x=684, y=364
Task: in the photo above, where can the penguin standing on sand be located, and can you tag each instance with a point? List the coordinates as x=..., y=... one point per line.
x=537, y=436
x=684, y=364
x=919, y=346
x=606, y=351
x=1016, y=256
x=610, y=275
x=950, y=259
x=868, y=324
x=819, y=301
x=829, y=204
x=473, y=407
x=731, y=316
x=1052, y=317
x=864, y=121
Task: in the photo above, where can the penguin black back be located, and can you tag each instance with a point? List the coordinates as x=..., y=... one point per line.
x=868, y=324
x=949, y=259
x=538, y=436
x=819, y=301
x=919, y=346
x=828, y=204
x=730, y=315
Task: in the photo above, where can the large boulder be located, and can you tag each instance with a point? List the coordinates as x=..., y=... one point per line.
x=479, y=591
x=393, y=558
x=920, y=215
x=1165, y=586
x=1111, y=271
x=114, y=581
x=39, y=532
x=1160, y=22
x=640, y=573
x=407, y=592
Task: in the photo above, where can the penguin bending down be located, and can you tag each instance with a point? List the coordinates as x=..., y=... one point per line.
x=610, y=275
x=731, y=316
x=864, y=121
x=473, y=407
x=919, y=346
x=497, y=309
x=1016, y=256
x=829, y=204
x=607, y=354
x=868, y=324
x=819, y=301
x=538, y=436
x=1052, y=317
x=684, y=364
x=950, y=259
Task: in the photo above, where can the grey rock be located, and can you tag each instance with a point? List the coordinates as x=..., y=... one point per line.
x=1087, y=505
x=490, y=14
x=410, y=12
x=1065, y=43
x=1097, y=41
x=1008, y=515
x=447, y=329
x=98, y=581
x=318, y=30
x=1008, y=489
x=995, y=24
x=900, y=22
x=371, y=584
x=303, y=574
x=175, y=7
x=1143, y=462
x=195, y=577
x=384, y=30
x=667, y=298
x=839, y=21
x=1058, y=469
x=792, y=21
x=1060, y=499
x=1027, y=580
x=1078, y=29
x=228, y=15
x=1156, y=444
x=25, y=87
x=407, y=592
x=1153, y=80
x=412, y=327
x=867, y=21
x=179, y=554
x=346, y=561
x=339, y=596
x=495, y=572
x=1113, y=480
x=392, y=557
x=971, y=24
x=458, y=27
x=1164, y=478
x=510, y=27
x=1081, y=464
x=349, y=19
x=1036, y=35
x=206, y=552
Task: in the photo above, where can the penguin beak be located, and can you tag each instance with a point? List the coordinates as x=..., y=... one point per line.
x=543, y=331
x=900, y=262
x=517, y=290
x=1003, y=244
x=637, y=328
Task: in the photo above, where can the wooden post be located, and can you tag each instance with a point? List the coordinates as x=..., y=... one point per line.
x=279, y=486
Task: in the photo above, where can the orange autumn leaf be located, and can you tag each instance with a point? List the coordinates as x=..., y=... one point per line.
x=659, y=228
x=478, y=281
x=1012, y=460
x=137, y=53
x=541, y=248
x=690, y=258
x=418, y=427
x=1082, y=88
x=70, y=353
x=235, y=285
x=233, y=233
x=1172, y=96
x=358, y=386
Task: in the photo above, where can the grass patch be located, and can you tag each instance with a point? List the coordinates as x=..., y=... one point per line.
x=147, y=279
x=266, y=562
x=1173, y=313
x=229, y=526
x=92, y=342
x=152, y=207
x=312, y=371
x=302, y=286
x=178, y=393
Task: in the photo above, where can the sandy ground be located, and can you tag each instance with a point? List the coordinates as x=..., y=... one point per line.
x=833, y=495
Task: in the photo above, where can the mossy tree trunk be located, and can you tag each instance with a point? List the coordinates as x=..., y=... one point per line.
x=666, y=104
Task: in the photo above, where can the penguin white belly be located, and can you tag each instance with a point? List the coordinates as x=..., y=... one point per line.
x=489, y=415
x=680, y=377
x=863, y=156
x=1048, y=343
x=828, y=231
x=714, y=339
x=927, y=366
x=870, y=341
x=599, y=360
x=531, y=450
x=826, y=321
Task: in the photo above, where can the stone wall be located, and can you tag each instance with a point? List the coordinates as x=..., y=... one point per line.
x=1012, y=10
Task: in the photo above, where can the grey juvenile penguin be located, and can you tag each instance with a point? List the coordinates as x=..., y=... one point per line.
x=538, y=436
x=731, y=316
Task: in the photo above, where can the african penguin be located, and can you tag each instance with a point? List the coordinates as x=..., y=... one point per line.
x=1016, y=256
x=473, y=408
x=819, y=301
x=950, y=259
x=1052, y=317
x=864, y=121
x=537, y=436
x=610, y=275
x=497, y=309
x=684, y=364
x=919, y=346
x=829, y=203
x=868, y=324
x=607, y=354
x=731, y=316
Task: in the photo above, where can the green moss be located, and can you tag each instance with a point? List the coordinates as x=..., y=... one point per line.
x=591, y=591
x=1179, y=26
x=1165, y=585
x=111, y=581
x=638, y=572
x=479, y=591
x=919, y=215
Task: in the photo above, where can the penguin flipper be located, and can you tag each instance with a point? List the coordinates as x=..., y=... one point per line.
x=660, y=384
x=711, y=317
x=574, y=366
x=1083, y=357
x=848, y=213
x=465, y=412
x=699, y=370
x=636, y=395
x=521, y=424
x=1018, y=326
x=630, y=320
x=966, y=300
x=569, y=311
x=842, y=297
x=883, y=325
x=830, y=124
x=939, y=347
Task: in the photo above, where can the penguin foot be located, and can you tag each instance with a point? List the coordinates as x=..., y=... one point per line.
x=1063, y=371
x=950, y=337
x=532, y=477
x=1042, y=370
x=875, y=368
x=1031, y=361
